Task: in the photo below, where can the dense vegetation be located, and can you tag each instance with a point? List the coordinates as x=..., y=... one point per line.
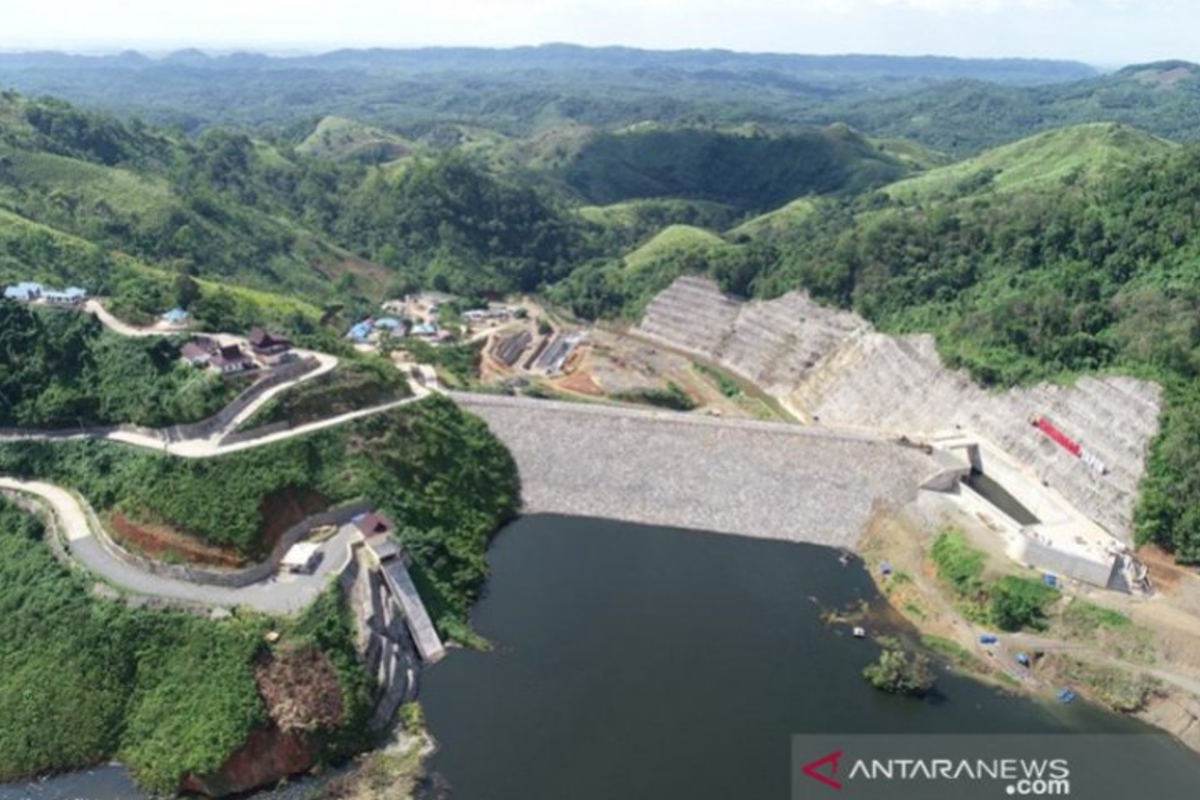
x=1010, y=602
x=167, y=692
x=748, y=173
x=447, y=225
x=436, y=470
x=431, y=93
x=968, y=115
x=61, y=369
x=355, y=384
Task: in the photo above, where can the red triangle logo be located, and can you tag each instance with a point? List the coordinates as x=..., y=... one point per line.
x=831, y=760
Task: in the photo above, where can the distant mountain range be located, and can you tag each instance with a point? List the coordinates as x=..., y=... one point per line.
x=515, y=90
x=574, y=57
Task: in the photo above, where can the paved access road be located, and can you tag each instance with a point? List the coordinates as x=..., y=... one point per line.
x=280, y=594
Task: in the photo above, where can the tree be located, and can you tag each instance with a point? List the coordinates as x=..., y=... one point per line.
x=1016, y=603
x=187, y=291
x=899, y=672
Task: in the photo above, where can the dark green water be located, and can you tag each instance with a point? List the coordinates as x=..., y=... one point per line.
x=640, y=662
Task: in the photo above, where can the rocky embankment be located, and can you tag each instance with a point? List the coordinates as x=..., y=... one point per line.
x=832, y=367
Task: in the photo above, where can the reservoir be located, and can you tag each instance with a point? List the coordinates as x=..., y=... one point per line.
x=648, y=663
x=640, y=662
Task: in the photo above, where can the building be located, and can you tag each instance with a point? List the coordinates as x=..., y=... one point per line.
x=197, y=353
x=424, y=330
x=373, y=524
x=301, y=558
x=71, y=296
x=270, y=348
x=176, y=318
x=508, y=349
x=377, y=530
x=267, y=343
x=225, y=359
x=361, y=332
x=230, y=359
x=393, y=326
x=25, y=292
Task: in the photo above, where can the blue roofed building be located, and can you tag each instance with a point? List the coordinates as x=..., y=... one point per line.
x=361, y=332
x=25, y=292
x=176, y=317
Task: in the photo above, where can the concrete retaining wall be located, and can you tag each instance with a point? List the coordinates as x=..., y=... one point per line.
x=384, y=646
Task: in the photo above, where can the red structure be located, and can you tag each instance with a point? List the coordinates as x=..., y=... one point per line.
x=1068, y=444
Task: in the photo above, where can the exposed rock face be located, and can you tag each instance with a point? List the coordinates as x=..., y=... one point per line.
x=268, y=755
x=833, y=367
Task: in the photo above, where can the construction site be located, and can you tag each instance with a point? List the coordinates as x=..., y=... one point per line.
x=1059, y=466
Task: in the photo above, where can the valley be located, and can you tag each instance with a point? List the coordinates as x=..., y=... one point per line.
x=287, y=340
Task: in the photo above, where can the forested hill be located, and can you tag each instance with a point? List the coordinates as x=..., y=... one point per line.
x=142, y=214
x=154, y=218
x=966, y=116
x=1076, y=251
x=514, y=90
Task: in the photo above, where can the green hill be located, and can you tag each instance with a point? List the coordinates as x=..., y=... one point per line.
x=1070, y=252
x=676, y=242
x=239, y=212
x=341, y=139
x=751, y=173
x=1084, y=153
x=967, y=116
x=776, y=222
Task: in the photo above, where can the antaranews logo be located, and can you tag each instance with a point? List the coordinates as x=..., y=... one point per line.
x=828, y=763
x=899, y=768
x=1019, y=777
x=990, y=767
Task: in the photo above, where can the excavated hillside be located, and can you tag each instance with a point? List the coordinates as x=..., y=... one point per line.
x=832, y=367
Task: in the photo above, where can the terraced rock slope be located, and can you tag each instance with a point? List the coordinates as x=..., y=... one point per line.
x=832, y=367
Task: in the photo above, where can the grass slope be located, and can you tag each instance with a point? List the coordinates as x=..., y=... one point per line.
x=1082, y=153
x=341, y=139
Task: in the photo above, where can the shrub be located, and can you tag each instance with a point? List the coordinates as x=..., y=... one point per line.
x=958, y=563
x=898, y=671
x=1016, y=603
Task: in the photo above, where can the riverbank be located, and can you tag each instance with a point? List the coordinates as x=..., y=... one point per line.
x=1133, y=656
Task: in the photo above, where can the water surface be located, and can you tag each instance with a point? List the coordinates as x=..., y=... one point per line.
x=643, y=662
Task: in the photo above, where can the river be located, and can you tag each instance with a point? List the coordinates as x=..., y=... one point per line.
x=644, y=662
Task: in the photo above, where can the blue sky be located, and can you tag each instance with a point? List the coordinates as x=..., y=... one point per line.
x=1105, y=32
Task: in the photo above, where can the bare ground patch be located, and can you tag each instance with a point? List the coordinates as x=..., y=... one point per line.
x=164, y=543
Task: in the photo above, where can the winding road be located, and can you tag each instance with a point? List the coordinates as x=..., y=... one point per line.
x=279, y=594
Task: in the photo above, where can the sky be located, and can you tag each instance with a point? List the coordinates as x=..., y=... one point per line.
x=1101, y=32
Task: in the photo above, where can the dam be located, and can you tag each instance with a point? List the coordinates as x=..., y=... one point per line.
x=765, y=480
